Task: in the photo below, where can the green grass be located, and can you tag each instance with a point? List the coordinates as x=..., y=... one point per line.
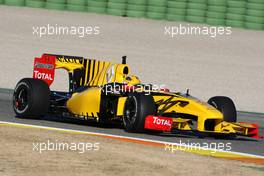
x=261, y=169
x=4, y=90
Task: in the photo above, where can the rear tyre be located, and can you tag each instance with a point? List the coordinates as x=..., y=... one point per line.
x=31, y=98
x=226, y=106
x=137, y=107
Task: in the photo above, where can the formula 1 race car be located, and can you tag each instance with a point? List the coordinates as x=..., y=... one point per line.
x=106, y=92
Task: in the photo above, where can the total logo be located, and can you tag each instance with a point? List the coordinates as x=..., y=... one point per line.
x=159, y=121
x=40, y=75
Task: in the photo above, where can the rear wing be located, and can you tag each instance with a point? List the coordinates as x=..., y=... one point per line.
x=44, y=67
x=82, y=72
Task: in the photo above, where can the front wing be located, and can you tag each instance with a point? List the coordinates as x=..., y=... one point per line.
x=168, y=124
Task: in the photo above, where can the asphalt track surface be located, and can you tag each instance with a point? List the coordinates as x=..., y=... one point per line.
x=239, y=144
x=227, y=65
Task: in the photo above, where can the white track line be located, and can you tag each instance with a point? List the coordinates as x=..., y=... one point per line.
x=126, y=137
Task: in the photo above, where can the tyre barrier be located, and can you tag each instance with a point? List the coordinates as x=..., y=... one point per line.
x=136, y=8
x=247, y=14
x=156, y=9
x=116, y=7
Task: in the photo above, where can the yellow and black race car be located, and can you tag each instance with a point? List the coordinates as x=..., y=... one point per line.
x=107, y=92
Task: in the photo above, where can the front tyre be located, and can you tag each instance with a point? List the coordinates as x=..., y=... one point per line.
x=226, y=106
x=31, y=98
x=137, y=107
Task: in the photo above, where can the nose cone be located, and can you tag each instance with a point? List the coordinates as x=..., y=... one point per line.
x=198, y=108
x=206, y=110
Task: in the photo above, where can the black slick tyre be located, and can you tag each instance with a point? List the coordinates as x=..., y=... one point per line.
x=31, y=98
x=137, y=107
x=226, y=106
